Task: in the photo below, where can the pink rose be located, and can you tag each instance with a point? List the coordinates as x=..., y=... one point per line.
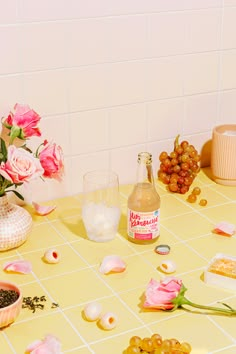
x=21, y=166
x=160, y=295
x=51, y=159
x=25, y=119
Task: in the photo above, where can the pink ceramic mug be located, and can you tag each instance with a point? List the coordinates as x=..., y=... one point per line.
x=223, y=154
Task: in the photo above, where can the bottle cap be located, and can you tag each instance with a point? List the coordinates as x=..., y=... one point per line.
x=162, y=249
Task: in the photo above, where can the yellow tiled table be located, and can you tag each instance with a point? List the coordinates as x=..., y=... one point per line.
x=76, y=279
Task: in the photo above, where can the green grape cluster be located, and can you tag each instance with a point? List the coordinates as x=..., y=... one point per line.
x=157, y=345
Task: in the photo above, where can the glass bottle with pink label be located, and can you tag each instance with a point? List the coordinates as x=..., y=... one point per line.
x=143, y=214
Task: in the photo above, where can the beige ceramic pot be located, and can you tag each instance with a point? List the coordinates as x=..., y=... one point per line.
x=15, y=224
x=223, y=155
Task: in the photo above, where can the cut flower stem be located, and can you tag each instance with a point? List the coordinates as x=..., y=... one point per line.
x=229, y=311
x=181, y=300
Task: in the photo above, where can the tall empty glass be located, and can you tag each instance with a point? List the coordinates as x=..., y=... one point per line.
x=101, y=205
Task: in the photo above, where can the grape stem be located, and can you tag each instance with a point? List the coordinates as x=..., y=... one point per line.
x=176, y=142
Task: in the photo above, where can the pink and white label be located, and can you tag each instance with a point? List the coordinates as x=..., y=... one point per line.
x=143, y=225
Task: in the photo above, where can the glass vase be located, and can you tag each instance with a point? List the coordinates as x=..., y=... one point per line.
x=15, y=224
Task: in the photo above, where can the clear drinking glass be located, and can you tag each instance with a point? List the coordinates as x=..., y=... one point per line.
x=101, y=205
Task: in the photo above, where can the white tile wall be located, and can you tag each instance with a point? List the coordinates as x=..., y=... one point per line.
x=165, y=119
x=8, y=13
x=111, y=78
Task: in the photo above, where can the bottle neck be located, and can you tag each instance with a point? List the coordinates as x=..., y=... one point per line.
x=144, y=170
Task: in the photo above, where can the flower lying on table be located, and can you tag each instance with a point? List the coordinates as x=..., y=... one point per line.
x=18, y=164
x=168, y=294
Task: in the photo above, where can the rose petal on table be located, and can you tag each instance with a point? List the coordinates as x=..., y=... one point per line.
x=33, y=346
x=19, y=266
x=112, y=264
x=43, y=209
x=49, y=345
x=224, y=227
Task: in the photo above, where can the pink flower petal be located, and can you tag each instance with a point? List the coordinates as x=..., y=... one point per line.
x=49, y=345
x=19, y=266
x=159, y=295
x=225, y=228
x=43, y=209
x=33, y=345
x=112, y=264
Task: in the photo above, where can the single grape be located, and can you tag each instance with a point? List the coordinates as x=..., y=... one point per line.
x=163, y=155
x=197, y=158
x=175, y=343
x=156, y=341
x=166, y=345
x=203, y=202
x=188, y=181
x=185, y=166
x=184, y=144
x=133, y=349
x=163, y=168
x=181, y=180
x=185, y=347
x=147, y=344
x=166, y=179
x=195, y=167
x=161, y=175
x=196, y=191
x=183, y=173
x=167, y=162
x=173, y=155
x=184, y=189
x=174, y=178
x=179, y=150
x=173, y=187
x=170, y=170
x=135, y=340
x=193, y=153
x=192, y=198
x=176, y=168
x=184, y=158
x=174, y=162
x=191, y=163
x=156, y=351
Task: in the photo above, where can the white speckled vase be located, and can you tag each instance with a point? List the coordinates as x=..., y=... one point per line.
x=15, y=224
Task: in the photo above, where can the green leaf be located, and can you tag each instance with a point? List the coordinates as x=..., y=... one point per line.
x=16, y=193
x=18, y=184
x=16, y=132
x=26, y=148
x=226, y=305
x=3, y=150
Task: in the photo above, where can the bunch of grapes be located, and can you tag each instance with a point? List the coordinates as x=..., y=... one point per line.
x=157, y=345
x=179, y=168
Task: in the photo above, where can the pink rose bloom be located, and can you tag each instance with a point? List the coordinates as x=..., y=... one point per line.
x=49, y=345
x=159, y=295
x=51, y=159
x=21, y=166
x=24, y=118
